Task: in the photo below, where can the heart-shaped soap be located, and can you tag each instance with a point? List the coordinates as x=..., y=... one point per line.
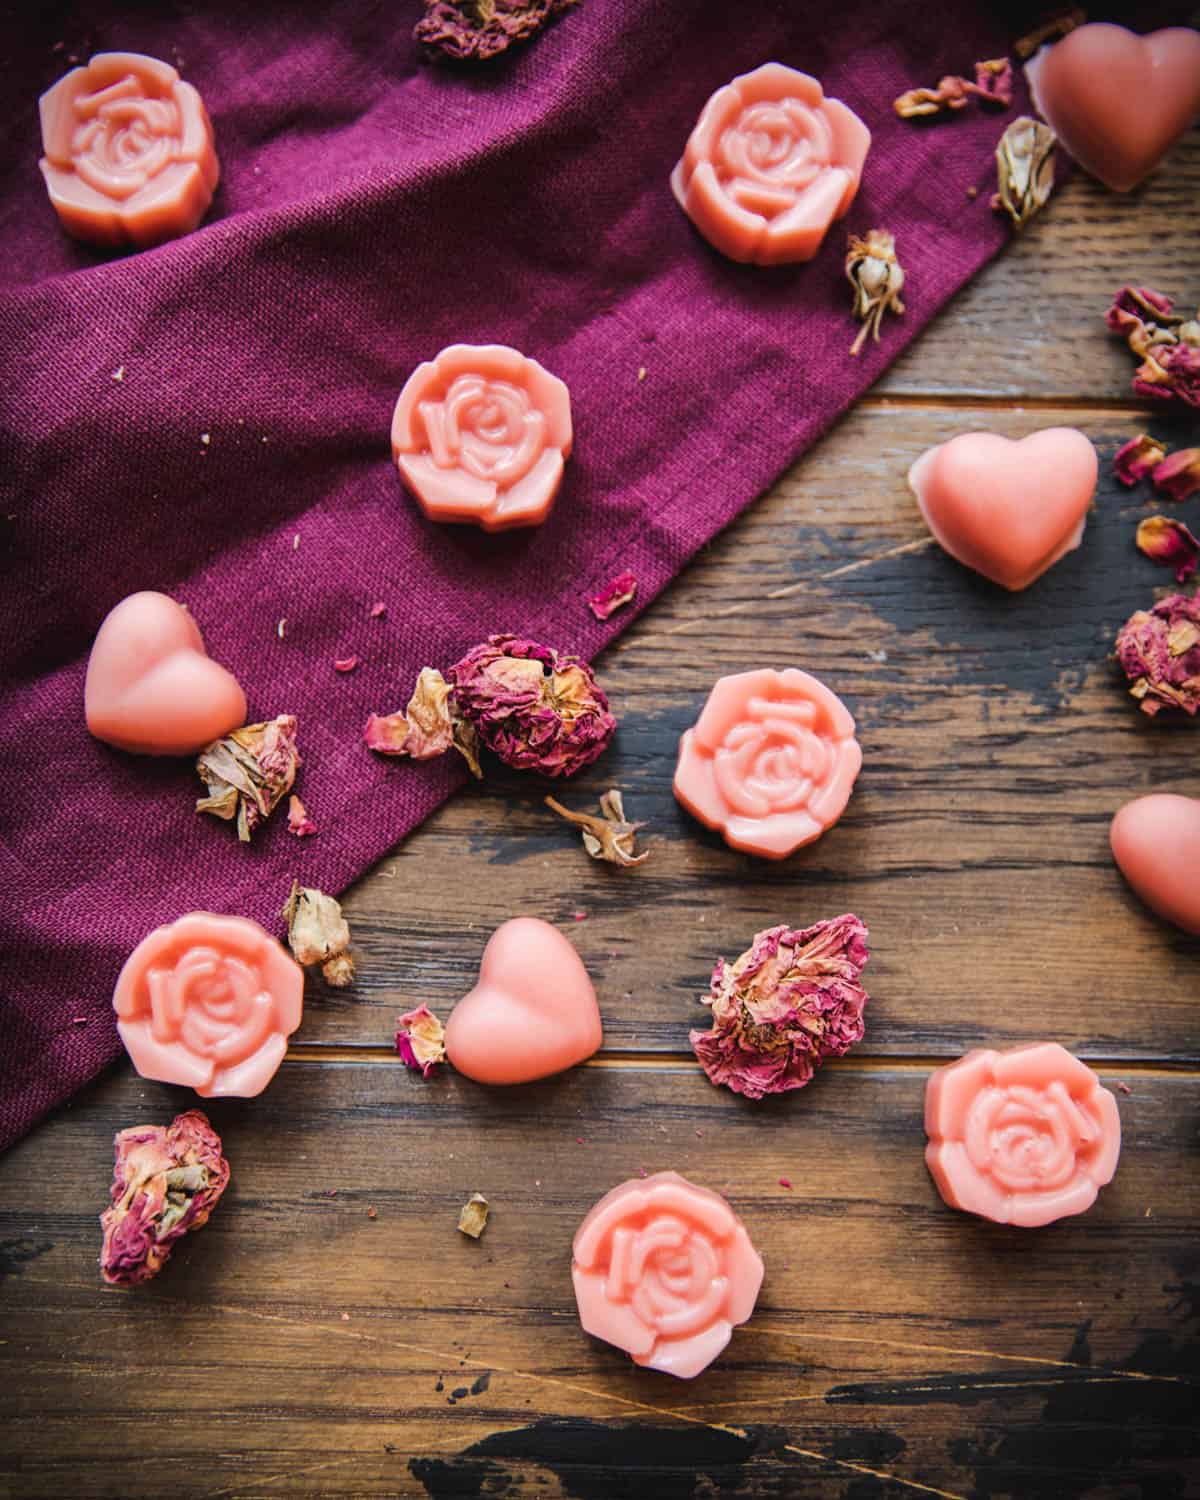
x=1118, y=101
x=532, y=1013
x=151, y=686
x=1007, y=509
x=1156, y=844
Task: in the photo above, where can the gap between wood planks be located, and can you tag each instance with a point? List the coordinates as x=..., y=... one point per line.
x=367, y=1053
x=964, y=400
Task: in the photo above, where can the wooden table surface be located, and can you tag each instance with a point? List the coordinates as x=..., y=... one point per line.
x=300, y=1346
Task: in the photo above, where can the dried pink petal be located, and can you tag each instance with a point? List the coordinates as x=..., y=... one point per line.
x=1159, y=651
x=421, y=1040
x=993, y=85
x=994, y=81
x=378, y=611
x=1178, y=475
x=166, y=1181
x=299, y=821
x=1137, y=313
x=613, y=596
x=536, y=710
x=476, y=30
x=1170, y=543
x=429, y=726
x=248, y=772
x=1138, y=458
x=1170, y=373
x=791, y=1000
x=346, y=664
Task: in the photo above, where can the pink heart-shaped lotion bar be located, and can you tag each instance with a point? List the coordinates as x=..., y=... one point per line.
x=1007, y=509
x=532, y=1013
x=1118, y=101
x=151, y=686
x=1156, y=844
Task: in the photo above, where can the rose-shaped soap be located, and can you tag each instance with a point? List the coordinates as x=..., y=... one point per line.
x=129, y=151
x=770, y=762
x=770, y=165
x=664, y=1269
x=481, y=434
x=1023, y=1137
x=209, y=1002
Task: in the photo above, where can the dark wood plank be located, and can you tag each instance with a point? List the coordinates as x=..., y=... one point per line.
x=296, y=1346
x=998, y=737
x=1032, y=326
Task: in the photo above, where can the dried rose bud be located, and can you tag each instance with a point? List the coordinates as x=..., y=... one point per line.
x=1159, y=651
x=1179, y=475
x=790, y=1001
x=473, y=1215
x=299, y=821
x=877, y=278
x=1170, y=543
x=319, y=934
x=429, y=726
x=994, y=82
x=248, y=772
x=421, y=1040
x=536, y=710
x=1051, y=29
x=1024, y=169
x=608, y=837
x=615, y=596
x=1138, y=458
x=1143, y=316
x=166, y=1181
x=476, y=30
x=1170, y=373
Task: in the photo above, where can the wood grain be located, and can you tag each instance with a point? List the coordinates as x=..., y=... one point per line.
x=296, y=1346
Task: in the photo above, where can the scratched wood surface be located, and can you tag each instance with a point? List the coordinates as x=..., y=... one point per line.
x=298, y=1346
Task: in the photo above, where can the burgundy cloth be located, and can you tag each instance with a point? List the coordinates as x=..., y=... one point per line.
x=373, y=209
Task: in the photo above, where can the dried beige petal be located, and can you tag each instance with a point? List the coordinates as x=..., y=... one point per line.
x=248, y=772
x=877, y=278
x=473, y=1216
x=319, y=934
x=1025, y=169
x=429, y=726
x=609, y=837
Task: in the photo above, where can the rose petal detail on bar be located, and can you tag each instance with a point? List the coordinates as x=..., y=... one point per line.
x=1170, y=543
x=473, y=1215
x=609, y=837
x=1138, y=458
x=248, y=772
x=318, y=933
x=166, y=1181
x=536, y=709
x=791, y=1000
x=1159, y=651
x=473, y=31
x=614, y=596
x=299, y=821
x=1178, y=475
x=1024, y=169
x=421, y=1040
x=877, y=277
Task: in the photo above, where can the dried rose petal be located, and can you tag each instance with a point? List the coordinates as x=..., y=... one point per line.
x=319, y=934
x=299, y=821
x=791, y=1000
x=378, y=610
x=1159, y=651
x=994, y=81
x=1138, y=458
x=1137, y=313
x=1024, y=169
x=166, y=1181
x=608, y=837
x=1168, y=373
x=346, y=664
x=248, y=772
x=536, y=710
x=614, y=596
x=420, y=1040
x=429, y=726
x=877, y=277
x=1179, y=474
x=476, y=30
x=993, y=85
x=1170, y=543
x=473, y=1216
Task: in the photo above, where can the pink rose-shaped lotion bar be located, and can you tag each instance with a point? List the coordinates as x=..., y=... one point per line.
x=1023, y=1137
x=770, y=762
x=481, y=434
x=770, y=165
x=664, y=1269
x=129, y=156
x=209, y=1002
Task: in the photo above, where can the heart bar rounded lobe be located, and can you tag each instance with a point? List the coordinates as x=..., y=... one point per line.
x=151, y=687
x=532, y=1013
